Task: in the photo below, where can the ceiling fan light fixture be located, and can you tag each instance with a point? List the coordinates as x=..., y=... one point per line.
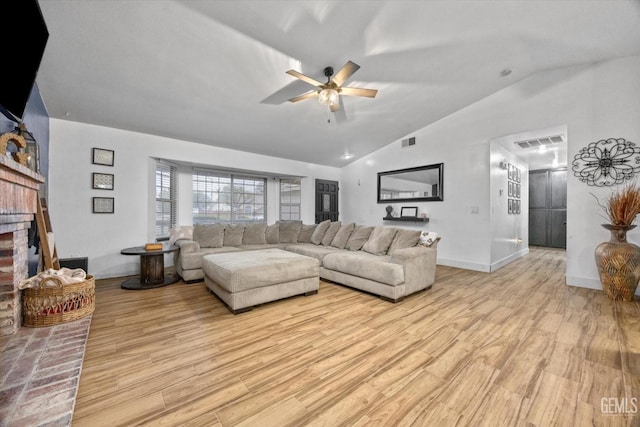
x=328, y=97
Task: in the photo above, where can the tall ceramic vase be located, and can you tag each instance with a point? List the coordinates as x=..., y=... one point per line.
x=618, y=264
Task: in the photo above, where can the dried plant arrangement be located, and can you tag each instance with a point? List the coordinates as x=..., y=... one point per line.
x=622, y=206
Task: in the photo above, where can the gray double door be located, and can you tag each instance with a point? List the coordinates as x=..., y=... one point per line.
x=548, y=208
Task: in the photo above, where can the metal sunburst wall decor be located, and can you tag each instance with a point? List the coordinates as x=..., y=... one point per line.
x=607, y=162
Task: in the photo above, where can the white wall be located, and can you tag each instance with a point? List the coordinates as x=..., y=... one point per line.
x=101, y=237
x=594, y=102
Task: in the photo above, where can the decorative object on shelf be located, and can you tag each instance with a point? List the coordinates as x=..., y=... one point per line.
x=103, y=205
x=389, y=210
x=19, y=142
x=153, y=247
x=607, y=162
x=618, y=261
x=102, y=181
x=102, y=156
x=409, y=212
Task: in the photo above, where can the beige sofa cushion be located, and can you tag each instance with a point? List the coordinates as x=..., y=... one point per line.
x=304, y=236
x=331, y=232
x=404, y=239
x=318, y=233
x=272, y=235
x=241, y=271
x=366, y=265
x=342, y=236
x=209, y=235
x=358, y=237
x=380, y=240
x=289, y=231
x=254, y=234
x=309, y=249
x=233, y=234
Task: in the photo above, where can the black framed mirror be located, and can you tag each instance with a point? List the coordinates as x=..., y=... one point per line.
x=419, y=184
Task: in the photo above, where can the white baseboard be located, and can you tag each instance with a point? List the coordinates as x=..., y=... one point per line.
x=484, y=268
x=506, y=260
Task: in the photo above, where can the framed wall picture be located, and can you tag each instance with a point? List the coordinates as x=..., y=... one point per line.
x=510, y=171
x=102, y=156
x=510, y=207
x=103, y=205
x=409, y=211
x=102, y=181
x=510, y=191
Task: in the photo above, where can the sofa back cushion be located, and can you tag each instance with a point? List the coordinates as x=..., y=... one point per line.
x=254, y=234
x=209, y=235
x=404, y=239
x=272, y=235
x=306, y=232
x=318, y=233
x=289, y=231
x=233, y=234
x=358, y=237
x=331, y=232
x=380, y=240
x=342, y=236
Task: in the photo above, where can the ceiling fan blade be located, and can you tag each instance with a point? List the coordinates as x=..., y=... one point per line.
x=304, y=78
x=304, y=96
x=356, y=91
x=345, y=72
x=334, y=107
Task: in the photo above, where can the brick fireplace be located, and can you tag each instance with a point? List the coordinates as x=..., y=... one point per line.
x=18, y=203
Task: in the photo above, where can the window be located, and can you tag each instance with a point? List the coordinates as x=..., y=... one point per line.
x=166, y=198
x=289, y=199
x=232, y=199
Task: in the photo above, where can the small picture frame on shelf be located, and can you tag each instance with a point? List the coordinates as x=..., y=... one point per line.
x=102, y=181
x=409, y=212
x=102, y=156
x=103, y=205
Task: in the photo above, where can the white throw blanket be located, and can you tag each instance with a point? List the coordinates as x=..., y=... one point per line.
x=65, y=275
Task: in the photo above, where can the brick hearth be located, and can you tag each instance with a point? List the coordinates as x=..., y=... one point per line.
x=40, y=374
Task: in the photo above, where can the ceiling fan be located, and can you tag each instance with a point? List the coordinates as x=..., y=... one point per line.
x=329, y=93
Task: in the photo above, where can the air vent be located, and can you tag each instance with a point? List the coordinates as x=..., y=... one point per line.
x=409, y=142
x=531, y=143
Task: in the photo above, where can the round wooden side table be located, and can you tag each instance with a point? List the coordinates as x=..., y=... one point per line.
x=151, y=268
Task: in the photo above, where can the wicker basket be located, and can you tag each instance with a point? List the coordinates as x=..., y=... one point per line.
x=51, y=305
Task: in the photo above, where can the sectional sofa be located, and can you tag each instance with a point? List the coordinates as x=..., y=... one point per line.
x=390, y=262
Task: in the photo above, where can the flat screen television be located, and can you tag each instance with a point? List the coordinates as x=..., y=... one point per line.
x=30, y=37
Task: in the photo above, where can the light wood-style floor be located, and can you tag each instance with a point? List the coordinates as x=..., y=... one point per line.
x=516, y=347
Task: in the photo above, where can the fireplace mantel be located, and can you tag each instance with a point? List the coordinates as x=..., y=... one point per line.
x=18, y=203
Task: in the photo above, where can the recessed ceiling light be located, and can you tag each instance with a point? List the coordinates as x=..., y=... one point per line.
x=347, y=156
x=505, y=72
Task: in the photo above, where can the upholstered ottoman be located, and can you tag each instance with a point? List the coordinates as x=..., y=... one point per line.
x=247, y=278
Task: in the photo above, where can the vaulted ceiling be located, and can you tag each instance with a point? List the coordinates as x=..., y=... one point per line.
x=213, y=72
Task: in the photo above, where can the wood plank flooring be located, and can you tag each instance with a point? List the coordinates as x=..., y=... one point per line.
x=516, y=347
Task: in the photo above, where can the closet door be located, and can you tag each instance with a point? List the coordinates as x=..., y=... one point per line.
x=548, y=208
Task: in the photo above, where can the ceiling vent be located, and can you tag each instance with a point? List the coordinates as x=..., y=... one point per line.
x=537, y=142
x=409, y=142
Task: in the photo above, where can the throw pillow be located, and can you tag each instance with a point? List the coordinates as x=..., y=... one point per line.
x=272, y=235
x=254, y=234
x=342, y=236
x=289, y=231
x=380, y=240
x=330, y=233
x=306, y=232
x=404, y=239
x=180, y=232
x=209, y=235
x=233, y=234
x=358, y=237
x=429, y=238
x=318, y=233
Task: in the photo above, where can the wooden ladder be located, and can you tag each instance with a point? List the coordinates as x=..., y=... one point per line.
x=48, y=252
